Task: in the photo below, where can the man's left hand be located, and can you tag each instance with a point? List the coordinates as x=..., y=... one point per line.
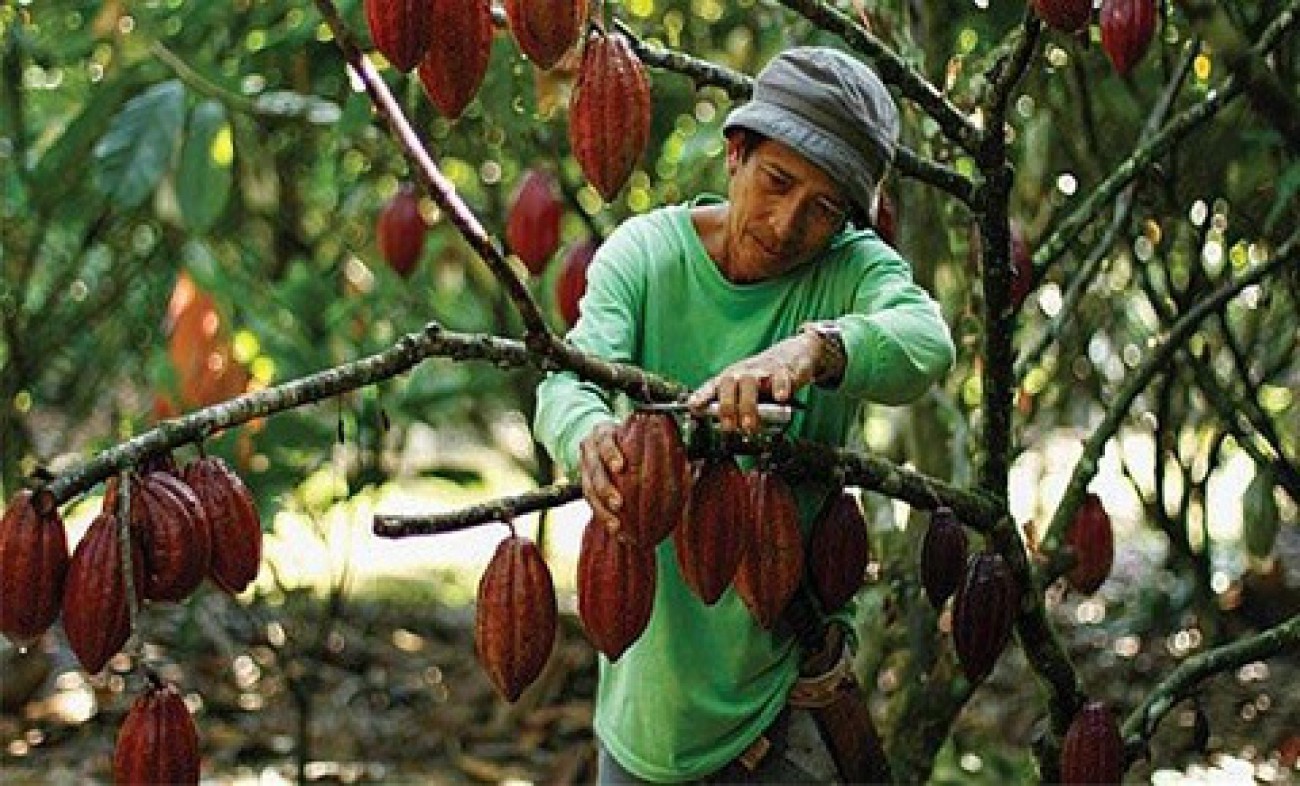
x=778, y=372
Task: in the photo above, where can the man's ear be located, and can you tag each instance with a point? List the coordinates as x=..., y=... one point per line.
x=735, y=155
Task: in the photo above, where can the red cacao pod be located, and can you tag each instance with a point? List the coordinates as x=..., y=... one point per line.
x=168, y=520
x=943, y=556
x=572, y=283
x=236, y=528
x=400, y=29
x=1092, y=751
x=515, y=624
x=609, y=112
x=772, y=565
x=456, y=61
x=983, y=614
x=711, y=537
x=1022, y=266
x=400, y=231
x=96, y=617
x=1092, y=539
x=616, y=590
x=158, y=742
x=1068, y=16
x=546, y=29
x=655, y=477
x=886, y=220
x=33, y=565
x=1127, y=27
x=838, y=550
x=533, y=224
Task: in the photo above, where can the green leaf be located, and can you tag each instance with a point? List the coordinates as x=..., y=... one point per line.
x=1259, y=514
x=137, y=150
x=69, y=152
x=205, y=176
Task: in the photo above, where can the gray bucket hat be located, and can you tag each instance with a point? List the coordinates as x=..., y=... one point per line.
x=831, y=109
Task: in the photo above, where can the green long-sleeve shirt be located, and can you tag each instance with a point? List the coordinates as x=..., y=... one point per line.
x=702, y=682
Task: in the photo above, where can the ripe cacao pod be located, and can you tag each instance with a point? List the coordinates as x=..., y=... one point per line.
x=158, y=742
x=400, y=29
x=96, y=617
x=1092, y=751
x=572, y=283
x=533, y=223
x=515, y=625
x=773, y=561
x=983, y=614
x=712, y=535
x=456, y=61
x=546, y=29
x=838, y=551
x=1068, y=16
x=943, y=556
x=33, y=565
x=400, y=231
x=609, y=112
x=1092, y=539
x=1022, y=266
x=168, y=521
x=655, y=477
x=616, y=590
x=1127, y=27
x=236, y=529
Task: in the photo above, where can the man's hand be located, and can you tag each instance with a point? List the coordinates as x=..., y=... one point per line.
x=600, y=459
x=779, y=371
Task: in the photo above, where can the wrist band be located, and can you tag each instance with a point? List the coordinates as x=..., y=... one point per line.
x=834, y=358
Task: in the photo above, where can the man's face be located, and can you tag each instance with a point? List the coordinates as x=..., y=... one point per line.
x=784, y=209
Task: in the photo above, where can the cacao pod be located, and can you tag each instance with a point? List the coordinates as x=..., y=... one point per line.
x=711, y=537
x=572, y=283
x=886, y=220
x=546, y=29
x=1022, y=266
x=838, y=551
x=772, y=565
x=168, y=521
x=1092, y=751
x=1068, y=16
x=401, y=231
x=1092, y=539
x=533, y=224
x=515, y=625
x=158, y=742
x=1260, y=517
x=96, y=617
x=943, y=556
x=456, y=61
x=236, y=529
x=616, y=590
x=400, y=29
x=1127, y=27
x=33, y=565
x=983, y=614
x=655, y=477
x=609, y=112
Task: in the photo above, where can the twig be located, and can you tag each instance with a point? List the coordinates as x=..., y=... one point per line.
x=501, y=509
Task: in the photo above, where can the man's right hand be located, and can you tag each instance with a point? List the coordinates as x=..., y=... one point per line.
x=600, y=460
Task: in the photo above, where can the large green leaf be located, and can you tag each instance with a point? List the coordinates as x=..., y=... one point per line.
x=56, y=167
x=137, y=150
x=203, y=183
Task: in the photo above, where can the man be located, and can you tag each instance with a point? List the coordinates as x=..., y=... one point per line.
x=753, y=298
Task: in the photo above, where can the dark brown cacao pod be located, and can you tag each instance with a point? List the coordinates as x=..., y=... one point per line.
x=400, y=29
x=1092, y=539
x=838, y=550
x=943, y=556
x=655, y=477
x=609, y=112
x=616, y=590
x=772, y=565
x=1092, y=751
x=33, y=565
x=515, y=624
x=400, y=231
x=175, y=534
x=1127, y=27
x=572, y=283
x=158, y=742
x=96, y=617
x=546, y=29
x=236, y=528
x=533, y=224
x=457, y=58
x=983, y=614
x=711, y=537
x=1068, y=16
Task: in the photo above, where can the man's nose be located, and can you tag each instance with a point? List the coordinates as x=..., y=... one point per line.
x=786, y=220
